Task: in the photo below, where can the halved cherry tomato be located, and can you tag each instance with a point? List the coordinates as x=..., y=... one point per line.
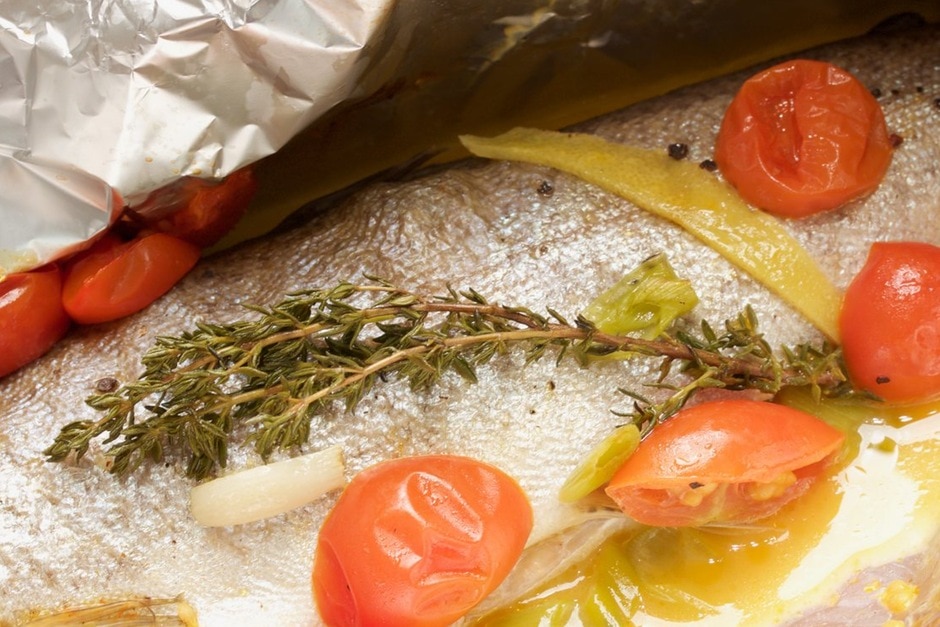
x=32, y=318
x=207, y=210
x=418, y=541
x=114, y=279
x=731, y=461
x=890, y=322
x=803, y=137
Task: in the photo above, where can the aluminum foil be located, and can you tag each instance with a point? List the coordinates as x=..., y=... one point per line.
x=131, y=95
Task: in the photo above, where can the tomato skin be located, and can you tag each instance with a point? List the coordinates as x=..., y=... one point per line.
x=114, y=279
x=418, y=541
x=890, y=323
x=803, y=137
x=729, y=461
x=32, y=318
x=207, y=211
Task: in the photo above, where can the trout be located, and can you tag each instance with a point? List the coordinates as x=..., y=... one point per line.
x=526, y=235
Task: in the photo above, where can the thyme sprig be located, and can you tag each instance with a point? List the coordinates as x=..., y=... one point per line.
x=277, y=372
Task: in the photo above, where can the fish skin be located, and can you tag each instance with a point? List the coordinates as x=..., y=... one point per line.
x=73, y=533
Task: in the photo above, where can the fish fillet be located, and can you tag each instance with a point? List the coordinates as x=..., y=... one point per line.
x=73, y=533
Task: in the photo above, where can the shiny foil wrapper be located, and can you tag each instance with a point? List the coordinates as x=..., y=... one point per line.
x=132, y=96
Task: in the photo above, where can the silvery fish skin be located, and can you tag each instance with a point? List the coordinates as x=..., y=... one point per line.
x=73, y=533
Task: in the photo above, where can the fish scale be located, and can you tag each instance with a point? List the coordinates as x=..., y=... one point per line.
x=71, y=533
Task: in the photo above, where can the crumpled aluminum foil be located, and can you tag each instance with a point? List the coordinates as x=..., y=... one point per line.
x=131, y=95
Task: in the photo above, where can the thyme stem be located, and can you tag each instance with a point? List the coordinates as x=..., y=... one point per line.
x=278, y=372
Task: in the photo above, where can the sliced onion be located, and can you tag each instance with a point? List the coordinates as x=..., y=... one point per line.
x=269, y=490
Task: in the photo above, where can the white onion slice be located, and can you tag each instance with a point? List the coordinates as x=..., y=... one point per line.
x=264, y=491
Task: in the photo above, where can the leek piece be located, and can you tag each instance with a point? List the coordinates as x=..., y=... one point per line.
x=600, y=465
x=645, y=301
x=596, y=592
x=555, y=610
x=264, y=491
x=684, y=193
x=615, y=598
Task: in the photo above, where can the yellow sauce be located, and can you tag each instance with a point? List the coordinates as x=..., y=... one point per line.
x=882, y=506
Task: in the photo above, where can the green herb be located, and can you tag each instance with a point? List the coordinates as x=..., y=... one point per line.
x=278, y=372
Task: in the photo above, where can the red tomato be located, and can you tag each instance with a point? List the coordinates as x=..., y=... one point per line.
x=418, y=541
x=114, y=279
x=731, y=461
x=890, y=323
x=31, y=316
x=210, y=210
x=803, y=137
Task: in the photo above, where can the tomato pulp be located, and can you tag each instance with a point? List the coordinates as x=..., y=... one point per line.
x=731, y=461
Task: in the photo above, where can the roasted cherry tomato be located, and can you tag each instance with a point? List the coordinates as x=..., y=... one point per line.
x=890, y=323
x=803, y=137
x=731, y=461
x=32, y=318
x=418, y=541
x=114, y=279
x=206, y=211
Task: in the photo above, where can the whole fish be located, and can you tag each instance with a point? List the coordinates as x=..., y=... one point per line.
x=519, y=234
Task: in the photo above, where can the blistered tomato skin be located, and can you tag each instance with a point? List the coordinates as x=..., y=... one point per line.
x=890, y=323
x=732, y=461
x=114, y=279
x=803, y=137
x=32, y=318
x=418, y=542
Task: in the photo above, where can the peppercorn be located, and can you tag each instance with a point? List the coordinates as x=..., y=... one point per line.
x=678, y=151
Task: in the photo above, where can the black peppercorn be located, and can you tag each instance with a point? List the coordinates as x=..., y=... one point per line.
x=678, y=151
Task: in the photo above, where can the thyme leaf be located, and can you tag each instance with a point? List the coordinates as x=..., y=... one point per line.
x=277, y=372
